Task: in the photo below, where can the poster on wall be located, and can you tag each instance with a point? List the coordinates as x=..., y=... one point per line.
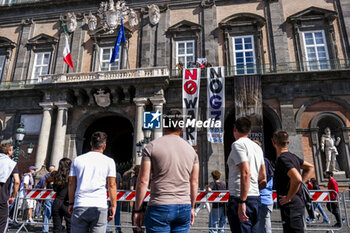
x=216, y=103
x=248, y=102
x=190, y=100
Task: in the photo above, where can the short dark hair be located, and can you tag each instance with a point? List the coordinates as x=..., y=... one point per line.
x=329, y=173
x=5, y=148
x=216, y=174
x=98, y=139
x=172, y=116
x=280, y=138
x=243, y=125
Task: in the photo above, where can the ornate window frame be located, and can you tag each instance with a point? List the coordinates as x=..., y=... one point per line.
x=104, y=40
x=184, y=31
x=39, y=44
x=243, y=24
x=313, y=19
x=6, y=47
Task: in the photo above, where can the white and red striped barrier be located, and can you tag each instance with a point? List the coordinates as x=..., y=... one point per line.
x=127, y=195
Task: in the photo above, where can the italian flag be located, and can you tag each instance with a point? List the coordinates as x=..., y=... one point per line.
x=67, y=58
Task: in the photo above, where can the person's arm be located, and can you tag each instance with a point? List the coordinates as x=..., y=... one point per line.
x=72, y=186
x=15, y=188
x=141, y=190
x=194, y=188
x=262, y=180
x=112, y=189
x=308, y=170
x=295, y=181
x=245, y=183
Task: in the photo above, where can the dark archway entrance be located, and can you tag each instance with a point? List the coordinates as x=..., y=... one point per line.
x=269, y=150
x=119, y=139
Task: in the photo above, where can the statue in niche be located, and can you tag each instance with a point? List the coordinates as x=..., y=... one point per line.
x=133, y=18
x=328, y=146
x=71, y=22
x=154, y=14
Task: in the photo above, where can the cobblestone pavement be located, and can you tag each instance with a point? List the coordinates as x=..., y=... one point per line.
x=201, y=222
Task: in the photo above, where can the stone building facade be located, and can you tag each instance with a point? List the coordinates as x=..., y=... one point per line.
x=300, y=48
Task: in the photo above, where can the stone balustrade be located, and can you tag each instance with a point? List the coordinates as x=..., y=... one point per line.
x=107, y=75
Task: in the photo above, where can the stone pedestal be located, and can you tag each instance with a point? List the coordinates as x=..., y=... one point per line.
x=60, y=132
x=44, y=134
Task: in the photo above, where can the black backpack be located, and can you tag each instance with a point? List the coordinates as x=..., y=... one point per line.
x=307, y=197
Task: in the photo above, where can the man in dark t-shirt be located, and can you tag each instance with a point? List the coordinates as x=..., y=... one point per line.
x=288, y=180
x=8, y=170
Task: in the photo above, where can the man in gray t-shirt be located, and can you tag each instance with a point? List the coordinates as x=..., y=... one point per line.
x=173, y=165
x=246, y=175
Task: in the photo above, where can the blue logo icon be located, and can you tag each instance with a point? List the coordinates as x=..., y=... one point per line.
x=151, y=120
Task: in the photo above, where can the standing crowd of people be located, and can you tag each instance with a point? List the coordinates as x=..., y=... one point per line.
x=170, y=168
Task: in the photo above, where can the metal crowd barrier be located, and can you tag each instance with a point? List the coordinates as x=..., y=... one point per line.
x=203, y=197
x=346, y=202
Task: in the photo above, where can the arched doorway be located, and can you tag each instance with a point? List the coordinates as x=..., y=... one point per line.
x=119, y=139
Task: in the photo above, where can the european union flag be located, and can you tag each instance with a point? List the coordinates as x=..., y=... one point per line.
x=121, y=39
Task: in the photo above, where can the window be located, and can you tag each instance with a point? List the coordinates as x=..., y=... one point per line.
x=105, y=57
x=316, y=50
x=41, y=65
x=244, y=55
x=2, y=64
x=185, y=52
x=7, y=2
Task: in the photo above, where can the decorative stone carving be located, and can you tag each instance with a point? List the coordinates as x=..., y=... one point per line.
x=133, y=21
x=154, y=14
x=71, y=22
x=92, y=22
x=102, y=99
x=328, y=146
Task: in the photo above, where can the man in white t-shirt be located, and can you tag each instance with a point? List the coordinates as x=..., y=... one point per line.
x=246, y=176
x=87, y=188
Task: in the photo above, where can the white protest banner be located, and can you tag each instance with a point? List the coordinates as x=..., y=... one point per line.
x=216, y=103
x=190, y=100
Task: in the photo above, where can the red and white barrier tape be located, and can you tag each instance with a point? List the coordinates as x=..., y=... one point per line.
x=125, y=195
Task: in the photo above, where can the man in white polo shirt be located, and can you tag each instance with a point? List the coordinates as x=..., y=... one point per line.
x=246, y=175
x=87, y=188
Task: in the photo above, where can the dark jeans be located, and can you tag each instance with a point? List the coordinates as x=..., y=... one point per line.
x=4, y=213
x=253, y=207
x=293, y=219
x=168, y=218
x=334, y=209
x=60, y=211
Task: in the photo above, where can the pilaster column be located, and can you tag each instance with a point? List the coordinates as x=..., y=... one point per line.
x=44, y=134
x=60, y=132
x=140, y=107
x=158, y=102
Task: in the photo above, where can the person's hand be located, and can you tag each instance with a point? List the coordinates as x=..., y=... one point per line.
x=242, y=212
x=192, y=216
x=70, y=209
x=283, y=200
x=112, y=210
x=11, y=200
x=138, y=220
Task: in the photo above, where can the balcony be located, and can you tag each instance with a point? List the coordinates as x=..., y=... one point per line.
x=280, y=68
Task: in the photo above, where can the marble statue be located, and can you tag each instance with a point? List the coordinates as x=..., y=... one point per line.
x=133, y=21
x=328, y=146
x=154, y=14
x=71, y=22
x=92, y=22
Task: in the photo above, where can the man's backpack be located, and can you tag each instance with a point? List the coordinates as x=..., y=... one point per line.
x=307, y=197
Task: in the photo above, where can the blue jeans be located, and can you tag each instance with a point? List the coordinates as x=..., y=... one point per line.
x=168, y=218
x=117, y=217
x=319, y=207
x=217, y=216
x=47, y=214
x=253, y=207
x=265, y=218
